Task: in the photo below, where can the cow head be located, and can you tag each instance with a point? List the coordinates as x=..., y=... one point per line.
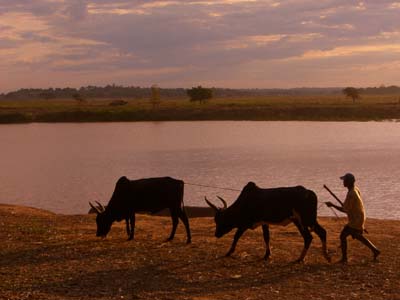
x=102, y=220
x=223, y=224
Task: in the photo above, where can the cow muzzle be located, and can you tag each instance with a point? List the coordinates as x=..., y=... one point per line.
x=103, y=236
x=218, y=234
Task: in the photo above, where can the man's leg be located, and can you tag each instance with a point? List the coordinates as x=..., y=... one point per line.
x=367, y=243
x=343, y=242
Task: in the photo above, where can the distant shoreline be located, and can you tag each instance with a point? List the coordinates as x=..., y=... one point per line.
x=278, y=108
x=105, y=118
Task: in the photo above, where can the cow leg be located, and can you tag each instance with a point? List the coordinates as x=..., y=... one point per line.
x=321, y=232
x=131, y=233
x=182, y=215
x=236, y=238
x=175, y=221
x=307, y=239
x=265, y=229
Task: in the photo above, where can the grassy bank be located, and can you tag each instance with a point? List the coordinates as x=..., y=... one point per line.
x=50, y=256
x=313, y=108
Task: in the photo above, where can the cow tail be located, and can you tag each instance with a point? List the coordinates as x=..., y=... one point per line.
x=182, y=196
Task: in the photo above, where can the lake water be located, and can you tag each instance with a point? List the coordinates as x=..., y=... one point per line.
x=60, y=167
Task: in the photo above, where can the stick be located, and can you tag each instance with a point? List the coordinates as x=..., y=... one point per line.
x=337, y=217
x=333, y=195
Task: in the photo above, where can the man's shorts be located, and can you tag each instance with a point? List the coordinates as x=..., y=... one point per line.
x=347, y=230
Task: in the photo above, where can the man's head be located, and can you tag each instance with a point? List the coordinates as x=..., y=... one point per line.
x=348, y=180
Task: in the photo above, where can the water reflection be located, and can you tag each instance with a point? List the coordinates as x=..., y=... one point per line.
x=61, y=167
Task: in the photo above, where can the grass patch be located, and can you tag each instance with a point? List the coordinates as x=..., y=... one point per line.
x=273, y=108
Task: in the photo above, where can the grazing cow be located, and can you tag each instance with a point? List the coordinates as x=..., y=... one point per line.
x=143, y=195
x=278, y=206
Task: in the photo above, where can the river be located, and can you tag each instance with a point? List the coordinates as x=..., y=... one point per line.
x=60, y=167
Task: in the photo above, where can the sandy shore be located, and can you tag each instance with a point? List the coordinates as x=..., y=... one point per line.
x=51, y=256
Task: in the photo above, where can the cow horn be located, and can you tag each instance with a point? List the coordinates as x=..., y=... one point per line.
x=102, y=209
x=96, y=209
x=223, y=201
x=211, y=205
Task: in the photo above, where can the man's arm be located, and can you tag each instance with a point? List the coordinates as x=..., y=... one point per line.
x=339, y=208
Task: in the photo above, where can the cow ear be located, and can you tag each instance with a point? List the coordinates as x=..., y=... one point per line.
x=95, y=208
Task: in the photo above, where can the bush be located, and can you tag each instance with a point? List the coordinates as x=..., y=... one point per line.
x=199, y=94
x=118, y=103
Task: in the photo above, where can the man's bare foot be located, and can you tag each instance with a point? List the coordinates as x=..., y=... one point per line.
x=376, y=254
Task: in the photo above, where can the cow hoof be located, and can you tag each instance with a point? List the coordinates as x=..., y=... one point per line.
x=267, y=258
x=299, y=261
x=188, y=242
x=328, y=258
x=342, y=261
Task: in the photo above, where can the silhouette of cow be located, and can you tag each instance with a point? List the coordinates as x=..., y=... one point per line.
x=277, y=206
x=143, y=195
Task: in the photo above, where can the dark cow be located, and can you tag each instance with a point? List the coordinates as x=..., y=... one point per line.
x=143, y=195
x=278, y=206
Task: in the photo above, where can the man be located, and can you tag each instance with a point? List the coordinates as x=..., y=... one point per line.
x=354, y=208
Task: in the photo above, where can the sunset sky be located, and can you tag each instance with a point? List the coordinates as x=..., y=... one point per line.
x=235, y=43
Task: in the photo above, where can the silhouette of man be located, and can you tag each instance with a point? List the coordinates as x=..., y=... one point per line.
x=354, y=208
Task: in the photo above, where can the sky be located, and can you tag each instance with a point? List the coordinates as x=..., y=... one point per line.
x=184, y=43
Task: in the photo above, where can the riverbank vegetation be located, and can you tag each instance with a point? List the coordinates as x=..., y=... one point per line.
x=51, y=256
x=286, y=107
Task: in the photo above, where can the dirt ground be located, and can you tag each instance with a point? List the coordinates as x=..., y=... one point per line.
x=50, y=256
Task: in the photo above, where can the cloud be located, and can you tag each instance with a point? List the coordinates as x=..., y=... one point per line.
x=141, y=42
x=76, y=9
x=352, y=51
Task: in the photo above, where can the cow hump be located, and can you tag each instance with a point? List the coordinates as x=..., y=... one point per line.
x=250, y=186
x=122, y=180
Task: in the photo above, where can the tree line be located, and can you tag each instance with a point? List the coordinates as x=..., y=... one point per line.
x=137, y=92
x=115, y=91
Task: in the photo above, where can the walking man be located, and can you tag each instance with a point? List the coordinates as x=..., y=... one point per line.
x=354, y=208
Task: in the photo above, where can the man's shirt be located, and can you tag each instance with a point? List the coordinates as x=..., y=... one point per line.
x=354, y=208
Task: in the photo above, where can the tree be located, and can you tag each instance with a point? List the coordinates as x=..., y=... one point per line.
x=199, y=94
x=352, y=93
x=155, y=96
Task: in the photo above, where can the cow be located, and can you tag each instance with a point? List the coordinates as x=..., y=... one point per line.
x=142, y=195
x=275, y=206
